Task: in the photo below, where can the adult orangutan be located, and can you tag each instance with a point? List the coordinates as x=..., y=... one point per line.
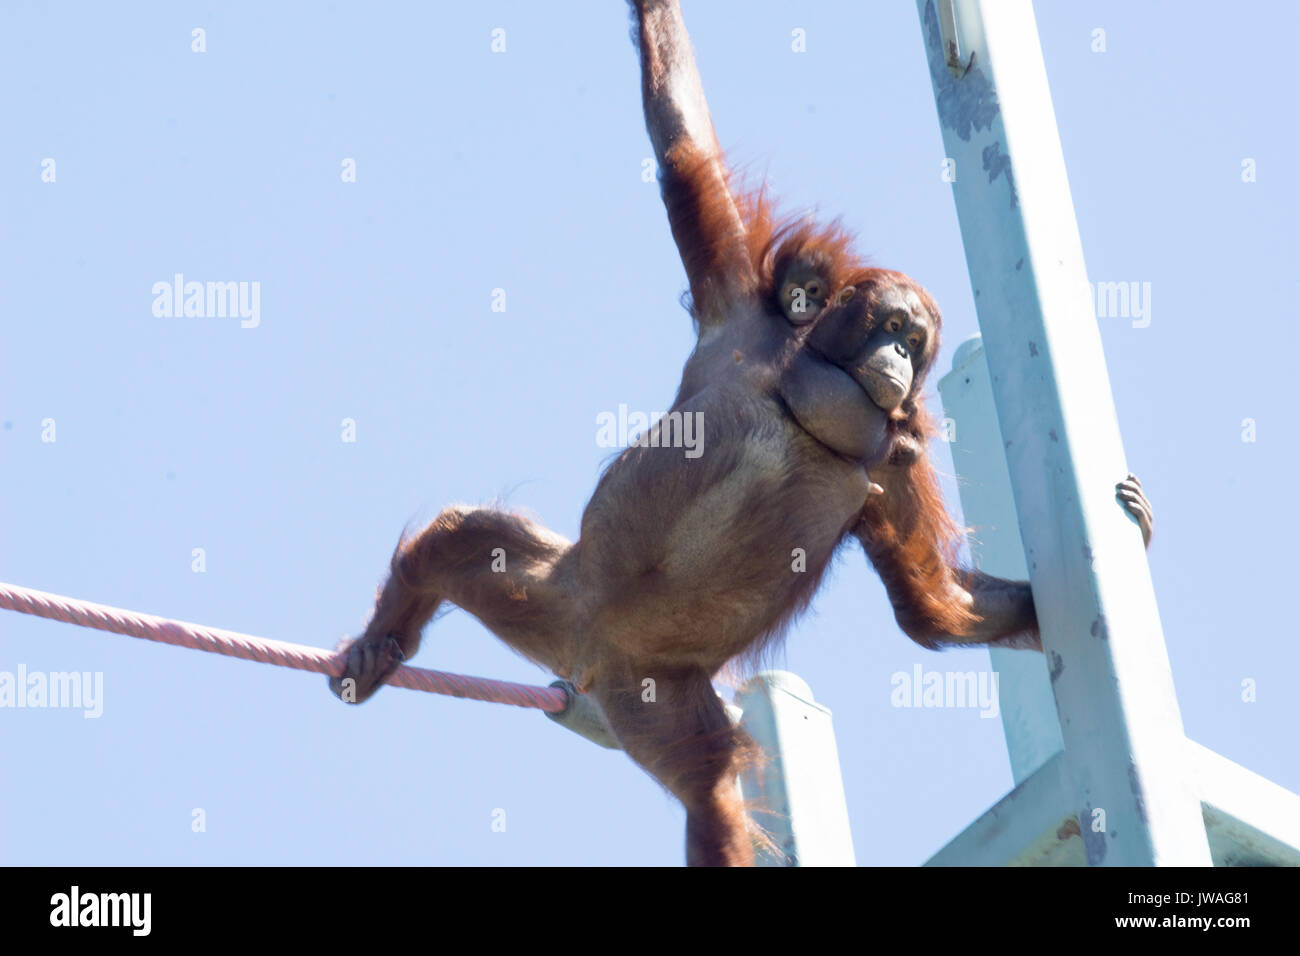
x=807, y=372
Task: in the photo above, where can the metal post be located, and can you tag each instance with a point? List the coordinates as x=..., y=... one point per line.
x=1119, y=717
x=797, y=796
x=1024, y=690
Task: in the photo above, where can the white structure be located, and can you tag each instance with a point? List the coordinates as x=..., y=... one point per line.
x=1114, y=781
x=798, y=795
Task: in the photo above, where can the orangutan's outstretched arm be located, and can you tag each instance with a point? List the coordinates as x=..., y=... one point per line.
x=705, y=221
x=912, y=543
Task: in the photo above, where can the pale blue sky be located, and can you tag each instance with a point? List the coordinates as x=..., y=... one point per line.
x=522, y=171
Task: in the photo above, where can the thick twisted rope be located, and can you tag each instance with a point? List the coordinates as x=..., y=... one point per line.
x=56, y=607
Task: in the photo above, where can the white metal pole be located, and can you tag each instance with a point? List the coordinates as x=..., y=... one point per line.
x=1119, y=717
x=1024, y=690
x=797, y=796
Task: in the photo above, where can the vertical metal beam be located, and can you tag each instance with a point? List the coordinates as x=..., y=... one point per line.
x=1024, y=690
x=797, y=796
x=1101, y=630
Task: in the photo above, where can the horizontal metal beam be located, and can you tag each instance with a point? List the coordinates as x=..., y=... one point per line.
x=1030, y=826
x=1250, y=821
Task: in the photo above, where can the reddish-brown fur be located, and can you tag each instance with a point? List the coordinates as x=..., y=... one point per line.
x=684, y=565
x=909, y=536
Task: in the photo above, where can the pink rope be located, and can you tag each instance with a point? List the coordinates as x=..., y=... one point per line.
x=280, y=653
